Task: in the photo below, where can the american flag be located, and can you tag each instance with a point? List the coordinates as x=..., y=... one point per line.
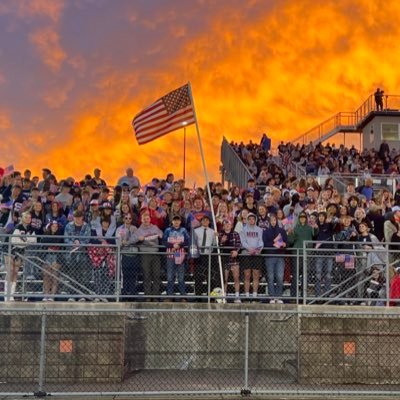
x=8, y=170
x=171, y=112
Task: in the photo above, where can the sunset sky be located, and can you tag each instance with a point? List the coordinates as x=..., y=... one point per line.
x=73, y=74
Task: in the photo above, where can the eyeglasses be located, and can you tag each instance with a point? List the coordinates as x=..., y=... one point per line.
x=128, y=219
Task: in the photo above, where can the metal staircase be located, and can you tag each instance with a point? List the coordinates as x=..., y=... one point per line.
x=348, y=122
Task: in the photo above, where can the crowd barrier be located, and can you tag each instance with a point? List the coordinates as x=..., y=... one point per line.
x=327, y=273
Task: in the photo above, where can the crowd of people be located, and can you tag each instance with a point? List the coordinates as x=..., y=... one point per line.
x=164, y=228
x=319, y=160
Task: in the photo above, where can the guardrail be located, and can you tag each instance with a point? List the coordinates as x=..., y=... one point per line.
x=233, y=168
x=347, y=121
x=341, y=180
x=103, y=273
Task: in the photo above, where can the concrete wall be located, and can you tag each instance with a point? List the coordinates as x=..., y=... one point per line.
x=349, y=350
x=188, y=340
x=79, y=348
x=313, y=345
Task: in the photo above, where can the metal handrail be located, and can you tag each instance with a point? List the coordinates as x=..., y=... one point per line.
x=232, y=164
x=348, y=121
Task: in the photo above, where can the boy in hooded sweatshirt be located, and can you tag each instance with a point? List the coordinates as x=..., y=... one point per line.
x=301, y=233
x=275, y=240
x=251, y=238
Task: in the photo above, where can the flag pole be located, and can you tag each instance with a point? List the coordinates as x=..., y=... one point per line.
x=184, y=150
x=208, y=189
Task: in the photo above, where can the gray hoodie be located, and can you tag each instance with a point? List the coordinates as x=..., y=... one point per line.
x=252, y=236
x=151, y=237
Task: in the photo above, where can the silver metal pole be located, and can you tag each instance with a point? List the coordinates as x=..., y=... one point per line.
x=118, y=273
x=184, y=151
x=208, y=189
x=209, y=279
x=246, y=352
x=42, y=352
x=387, y=276
x=304, y=274
x=9, y=268
x=296, y=276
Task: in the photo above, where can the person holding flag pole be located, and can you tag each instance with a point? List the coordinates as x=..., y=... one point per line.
x=166, y=115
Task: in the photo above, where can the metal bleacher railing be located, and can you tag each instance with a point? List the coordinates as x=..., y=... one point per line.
x=103, y=273
x=347, y=121
x=340, y=181
x=233, y=168
x=235, y=171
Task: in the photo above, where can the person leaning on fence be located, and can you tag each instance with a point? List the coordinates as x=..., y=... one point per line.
x=53, y=259
x=275, y=242
x=374, y=255
x=77, y=235
x=176, y=239
x=251, y=238
x=103, y=258
x=204, y=239
x=130, y=261
x=21, y=238
x=376, y=288
x=395, y=288
x=149, y=236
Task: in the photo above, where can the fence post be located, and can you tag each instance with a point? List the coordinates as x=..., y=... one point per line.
x=208, y=279
x=7, y=294
x=42, y=359
x=118, y=272
x=387, y=276
x=245, y=390
x=297, y=275
x=304, y=273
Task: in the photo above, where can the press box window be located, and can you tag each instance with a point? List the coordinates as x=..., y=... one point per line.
x=390, y=131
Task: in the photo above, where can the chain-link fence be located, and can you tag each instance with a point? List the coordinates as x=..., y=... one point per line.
x=353, y=273
x=194, y=349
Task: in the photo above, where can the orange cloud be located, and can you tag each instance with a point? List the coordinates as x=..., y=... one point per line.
x=280, y=67
x=47, y=43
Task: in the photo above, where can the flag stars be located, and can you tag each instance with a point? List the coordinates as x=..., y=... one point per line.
x=177, y=99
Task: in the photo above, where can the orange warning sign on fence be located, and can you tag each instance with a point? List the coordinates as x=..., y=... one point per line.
x=349, y=348
x=66, y=346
